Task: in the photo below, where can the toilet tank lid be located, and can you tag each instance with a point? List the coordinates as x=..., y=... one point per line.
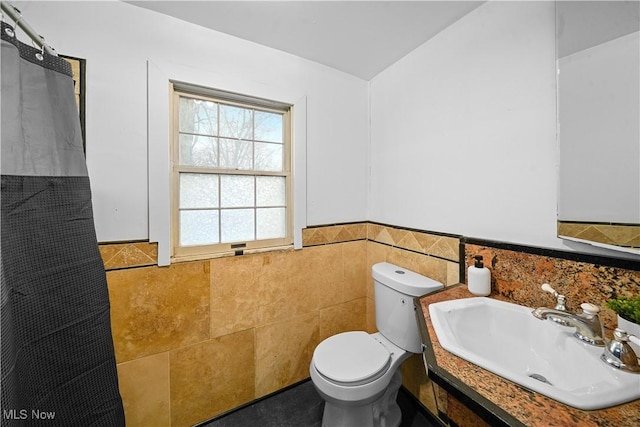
x=403, y=280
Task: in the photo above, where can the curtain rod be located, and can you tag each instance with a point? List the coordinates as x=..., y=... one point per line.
x=15, y=14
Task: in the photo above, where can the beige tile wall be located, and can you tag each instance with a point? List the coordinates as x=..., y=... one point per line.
x=196, y=339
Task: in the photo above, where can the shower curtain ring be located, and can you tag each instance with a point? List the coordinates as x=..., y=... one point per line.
x=44, y=48
x=39, y=55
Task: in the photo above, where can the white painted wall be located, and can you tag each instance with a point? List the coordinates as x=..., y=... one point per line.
x=598, y=92
x=463, y=129
x=461, y=136
x=117, y=39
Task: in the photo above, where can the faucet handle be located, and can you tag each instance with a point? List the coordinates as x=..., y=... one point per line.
x=589, y=309
x=560, y=305
x=560, y=299
x=547, y=288
x=619, y=354
x=630, y=337
x=620, y=334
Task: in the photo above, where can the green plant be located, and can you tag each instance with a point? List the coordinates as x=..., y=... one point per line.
x=626, y=307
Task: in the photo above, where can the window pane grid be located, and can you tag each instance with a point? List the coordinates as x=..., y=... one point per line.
x=231, y=227
x=236, y=133
x=193, y=233
x=242, y=150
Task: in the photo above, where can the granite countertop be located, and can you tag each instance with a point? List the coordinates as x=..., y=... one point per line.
x=499, y=401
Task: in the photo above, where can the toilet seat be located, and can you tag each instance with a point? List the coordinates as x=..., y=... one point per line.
x=351, y=358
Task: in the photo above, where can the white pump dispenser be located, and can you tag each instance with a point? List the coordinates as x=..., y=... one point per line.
x=479, y=278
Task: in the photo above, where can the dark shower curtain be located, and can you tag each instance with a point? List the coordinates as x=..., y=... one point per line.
x=58, y=363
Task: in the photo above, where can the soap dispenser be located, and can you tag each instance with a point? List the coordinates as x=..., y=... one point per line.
x=479, y=278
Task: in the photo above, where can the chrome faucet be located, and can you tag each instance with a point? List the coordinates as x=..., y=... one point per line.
x=560, y=304
x=619, y=354
x=588, y=326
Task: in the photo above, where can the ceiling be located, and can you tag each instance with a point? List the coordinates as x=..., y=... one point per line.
x=361, y=38
x=584, y=24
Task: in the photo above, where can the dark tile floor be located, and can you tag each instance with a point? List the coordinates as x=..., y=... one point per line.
x=301, y=406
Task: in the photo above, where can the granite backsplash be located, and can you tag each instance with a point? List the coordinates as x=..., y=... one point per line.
x=517, y=275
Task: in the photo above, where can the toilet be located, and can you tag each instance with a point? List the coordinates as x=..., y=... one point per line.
x=356, y=373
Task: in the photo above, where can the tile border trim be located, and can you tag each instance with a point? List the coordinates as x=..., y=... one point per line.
x=142, y=253
x=609, y=261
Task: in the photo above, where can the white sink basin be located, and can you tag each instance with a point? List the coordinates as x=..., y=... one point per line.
x=540, y=355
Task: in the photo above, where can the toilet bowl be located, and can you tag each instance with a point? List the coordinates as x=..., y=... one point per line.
x=356, y=373
x=354, y=366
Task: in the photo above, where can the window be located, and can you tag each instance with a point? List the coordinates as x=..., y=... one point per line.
x=231, y=160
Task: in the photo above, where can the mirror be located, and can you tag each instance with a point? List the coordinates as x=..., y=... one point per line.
x=598, y=84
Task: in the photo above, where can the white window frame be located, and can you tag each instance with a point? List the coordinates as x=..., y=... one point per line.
x=159, y=77
x=180, y=89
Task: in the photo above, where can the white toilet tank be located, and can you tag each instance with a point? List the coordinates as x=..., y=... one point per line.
x=395, y=287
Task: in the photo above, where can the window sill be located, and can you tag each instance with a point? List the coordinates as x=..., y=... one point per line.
x=204, y=257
